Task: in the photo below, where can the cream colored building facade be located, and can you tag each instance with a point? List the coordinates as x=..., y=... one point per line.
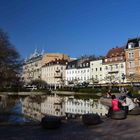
x=96, y=71
x=32, y=67
x=54, y=72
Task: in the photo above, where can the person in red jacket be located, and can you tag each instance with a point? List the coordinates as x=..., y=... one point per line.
x=115, y=103
x=114, y=107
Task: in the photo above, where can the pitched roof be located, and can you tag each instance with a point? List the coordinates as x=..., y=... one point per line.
x=135, y=42
x=115, y=52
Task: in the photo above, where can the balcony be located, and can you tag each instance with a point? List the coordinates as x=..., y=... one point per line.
x=57, y=70
x=58, y=75
x=113, y=70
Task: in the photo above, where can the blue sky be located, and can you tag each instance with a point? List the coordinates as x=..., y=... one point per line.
x=73, y=27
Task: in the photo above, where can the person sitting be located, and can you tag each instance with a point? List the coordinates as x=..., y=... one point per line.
x=108, y=94
x=137, y=101
x=114, y=106
x=115, y=103
x=128, y=102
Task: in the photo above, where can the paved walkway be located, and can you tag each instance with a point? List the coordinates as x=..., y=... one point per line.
x=128, y=129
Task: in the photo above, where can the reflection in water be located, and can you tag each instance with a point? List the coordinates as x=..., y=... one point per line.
x=16, y=112
x=38, y=106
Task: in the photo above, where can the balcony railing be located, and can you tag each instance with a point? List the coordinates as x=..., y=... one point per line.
x=58, y=75
x=57, y=70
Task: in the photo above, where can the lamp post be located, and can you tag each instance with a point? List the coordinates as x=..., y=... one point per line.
x=123, y=77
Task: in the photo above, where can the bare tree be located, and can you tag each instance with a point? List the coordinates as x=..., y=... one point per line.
x=10, y=62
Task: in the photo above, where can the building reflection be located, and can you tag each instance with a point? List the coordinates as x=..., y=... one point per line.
x=38, y=106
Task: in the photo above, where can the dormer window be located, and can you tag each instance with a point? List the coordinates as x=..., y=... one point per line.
x=130, y=45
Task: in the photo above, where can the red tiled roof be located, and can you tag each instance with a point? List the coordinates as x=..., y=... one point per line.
x=115, y=52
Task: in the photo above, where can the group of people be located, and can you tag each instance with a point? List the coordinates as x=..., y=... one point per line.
x=123, y=102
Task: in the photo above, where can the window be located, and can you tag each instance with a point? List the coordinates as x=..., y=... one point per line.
x=130, y=45
x=122, y=66
x=106, y=68
x=111, y=67
x=96, y=77
x=130, y=64
x=100, y=69
x=96, y=69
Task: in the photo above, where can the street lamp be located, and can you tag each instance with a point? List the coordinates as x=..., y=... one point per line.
x=123, y=77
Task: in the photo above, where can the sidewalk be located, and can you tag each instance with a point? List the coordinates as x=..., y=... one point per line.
x=109, y=129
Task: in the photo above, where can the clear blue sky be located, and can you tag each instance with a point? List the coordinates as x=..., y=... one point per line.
x=74, y=27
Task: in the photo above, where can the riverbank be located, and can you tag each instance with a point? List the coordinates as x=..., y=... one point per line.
x=75, y=130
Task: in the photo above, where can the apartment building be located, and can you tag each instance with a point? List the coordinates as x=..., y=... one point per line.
x=96, y=71
x=78, y=71
x=132, y=53
x=32, y=67
x=114, y=69
x=54, y=72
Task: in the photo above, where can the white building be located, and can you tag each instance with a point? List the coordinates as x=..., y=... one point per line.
x=78, y=71
x=114, y=69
